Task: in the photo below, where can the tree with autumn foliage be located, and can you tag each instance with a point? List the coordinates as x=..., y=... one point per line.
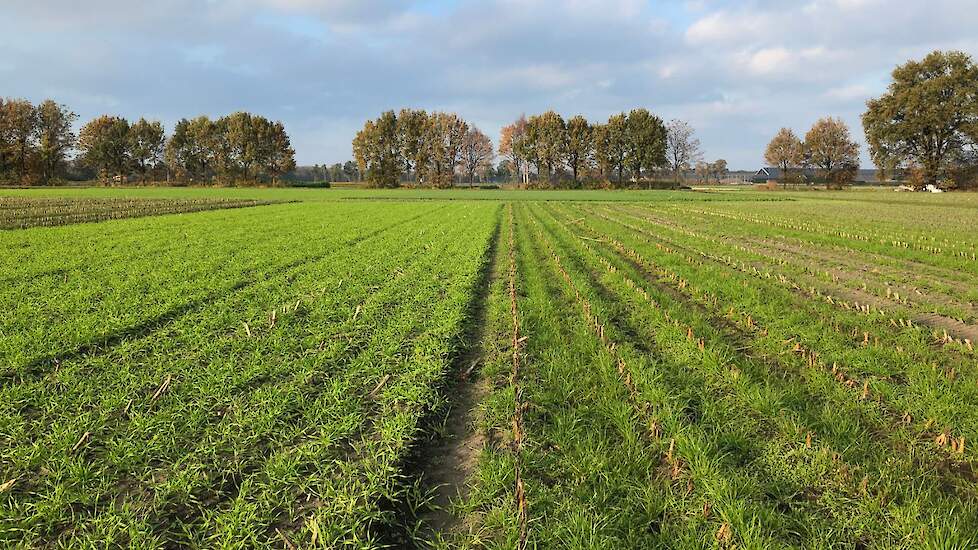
x=612, y=145
x=477, y=153
x=104, y=147
x=785, y=151
x=55, y=138
x=510, y=145
x=412, y=130
x=18, y=137
x=829, y=148
x=548, y=135
x=444, y=141
x=378, y=153
x=238, y=149
x=191, y=151
x=147, y=143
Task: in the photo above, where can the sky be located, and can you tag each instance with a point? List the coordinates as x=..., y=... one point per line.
x=737, y=71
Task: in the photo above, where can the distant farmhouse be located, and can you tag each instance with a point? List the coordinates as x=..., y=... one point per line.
x=773, y=173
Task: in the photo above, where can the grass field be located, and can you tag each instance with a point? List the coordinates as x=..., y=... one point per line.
x=367, y=369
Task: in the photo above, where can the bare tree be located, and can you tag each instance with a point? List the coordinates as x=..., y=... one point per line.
x=683, y=147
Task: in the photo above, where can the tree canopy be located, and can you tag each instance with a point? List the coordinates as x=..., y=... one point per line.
x=565, y=153
x=431, y=147
x=830, y=149
x=477, y=153
x=579, y=146
x=785, y=151
x=510, y=145
x=645, y=142
x=928, y=117
x=36, y=141
x=104, y=146
x=146, y=145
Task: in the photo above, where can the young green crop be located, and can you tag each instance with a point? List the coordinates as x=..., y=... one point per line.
x=314, y=368
x=669, y=370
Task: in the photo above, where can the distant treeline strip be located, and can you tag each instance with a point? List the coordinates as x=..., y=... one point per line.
x=35, y=142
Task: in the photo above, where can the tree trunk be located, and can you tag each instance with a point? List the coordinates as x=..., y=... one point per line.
x=23, y=160
x=932, y=167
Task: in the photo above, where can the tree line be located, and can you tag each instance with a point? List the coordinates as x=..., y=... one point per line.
x=438, y=149
x=547, y=151
x=432, y=149
x=925, y=128
x=36, y=141
x=235, y=148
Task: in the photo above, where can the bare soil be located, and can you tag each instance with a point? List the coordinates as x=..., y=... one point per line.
x=448, y=463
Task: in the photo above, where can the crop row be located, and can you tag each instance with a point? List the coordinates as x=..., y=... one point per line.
x=682, y=386
x=880, y=323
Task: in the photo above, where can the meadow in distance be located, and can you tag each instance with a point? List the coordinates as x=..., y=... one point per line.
x=600, y=342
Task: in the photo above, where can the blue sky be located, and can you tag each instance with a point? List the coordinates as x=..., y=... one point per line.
x=737, y=71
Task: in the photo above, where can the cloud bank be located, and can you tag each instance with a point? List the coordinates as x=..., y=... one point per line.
x=737, y=71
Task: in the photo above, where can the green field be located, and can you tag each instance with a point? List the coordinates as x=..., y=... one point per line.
x=302, y=368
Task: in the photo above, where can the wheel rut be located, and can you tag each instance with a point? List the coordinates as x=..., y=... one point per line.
x=447, y=464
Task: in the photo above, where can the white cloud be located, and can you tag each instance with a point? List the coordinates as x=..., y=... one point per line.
x=848, y=93
x=852, y=5
x=723, y=27
x=770, y=61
